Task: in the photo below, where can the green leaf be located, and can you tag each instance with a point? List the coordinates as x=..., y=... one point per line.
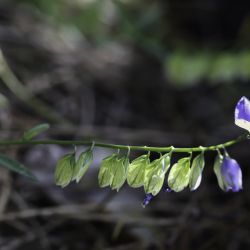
x=196, y=172
x=178, y=177
x=31, y=133
x=217, y=170
x=155, y=174
x=119, y=172
x=64, y=170
x=105, y=175
x=15, y=166
x=136, y=170
x=82, y=165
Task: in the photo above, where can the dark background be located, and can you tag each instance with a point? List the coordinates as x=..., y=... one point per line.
x=159, y=73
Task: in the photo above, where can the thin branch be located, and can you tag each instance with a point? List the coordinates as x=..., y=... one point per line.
x=18, y=89
x=82, y=212
x=123, y=147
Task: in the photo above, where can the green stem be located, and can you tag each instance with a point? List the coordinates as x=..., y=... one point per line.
x=123, y=147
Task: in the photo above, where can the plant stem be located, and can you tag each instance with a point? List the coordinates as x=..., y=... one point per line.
x=22, y=142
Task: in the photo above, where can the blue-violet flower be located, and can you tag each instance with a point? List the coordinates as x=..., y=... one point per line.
x=231, y=174
x=242, y=113
x=147, y=199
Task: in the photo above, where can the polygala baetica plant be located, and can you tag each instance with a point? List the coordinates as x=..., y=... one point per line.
x=117, y=169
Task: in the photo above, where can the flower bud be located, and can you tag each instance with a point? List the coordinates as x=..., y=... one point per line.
x=231, y=174
x=242, y=113
x=147, y=199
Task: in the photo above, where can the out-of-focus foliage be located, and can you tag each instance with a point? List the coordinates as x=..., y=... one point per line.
x=157, y=28
x=187, y=69
x=35, y=131
x=103, y=20
x=15, y=166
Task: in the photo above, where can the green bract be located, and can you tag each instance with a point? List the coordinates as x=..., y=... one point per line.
x=104, y=176
x=155, y=174
x=82, y=165
x=217, y=170
x=196, y=171
x=64, y=170
x=113, y=171
x=119, y=172
x=136, y=170
x=179, y=174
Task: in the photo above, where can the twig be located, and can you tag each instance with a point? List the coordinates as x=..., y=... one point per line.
x=5, y=190
x=16, y=243
x=123, y=147
x=15, y=86
x=80, y=212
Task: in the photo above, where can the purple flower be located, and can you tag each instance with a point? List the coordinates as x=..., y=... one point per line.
x=231, y=174
x=147, y=199
x=242, y=113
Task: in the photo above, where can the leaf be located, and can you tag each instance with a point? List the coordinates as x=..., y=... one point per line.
x=64, y=170
x=217, y=170
x=196, y=172
x=136, y=170
x=178, y=177
x=31, y=133
x=82, y=165
x=119, y=172
x=155, y=174
x=15, y=166
x=105, y=176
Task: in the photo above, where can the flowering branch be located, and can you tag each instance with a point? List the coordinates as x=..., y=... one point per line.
x=141, y=172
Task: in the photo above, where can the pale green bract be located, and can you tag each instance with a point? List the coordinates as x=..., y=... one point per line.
x=104, y=176
x=196, y=171
x=136, y=170
x=119, y=172
x=82, y=165
x=64, y=170
x=217, y=170
x=179, y=174
x=155, y=174
x=113, y=171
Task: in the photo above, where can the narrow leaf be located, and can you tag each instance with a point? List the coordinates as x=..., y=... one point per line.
x=136, y=170
x=196, y=172
x=31, y=133
x=82, y=164
x=217, y=170
x=15, y=166
x=178, y=177
x=64, y=170
x=155, y=174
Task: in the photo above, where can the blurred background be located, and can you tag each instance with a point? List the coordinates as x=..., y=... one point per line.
x=159, y=73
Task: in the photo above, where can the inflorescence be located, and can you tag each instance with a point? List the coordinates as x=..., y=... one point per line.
x=117, y=169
